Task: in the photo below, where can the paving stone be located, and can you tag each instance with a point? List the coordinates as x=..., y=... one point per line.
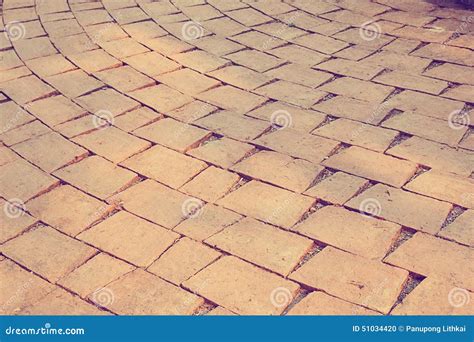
x=211, y=184
x=26, y=89
x=192, y=111
x=94, y=176
x=62, y=28
x=109, y=100
x=425, y=127
x=406, y=81
x=47, y=252
x=284, y=115
x=125, y=79
x=135, y=119
x=13, y=220
x=200, y=61
x=112, y=143
x=141, y=293
x=72, y=45
x=431, y=256
x=232, y=98
x=224, y=27
x=242, y=287
x=319, y=303
x=183, y=260
x=291, y=93
x=222, y=152
x=241, y=77
x=446, y=53
x=270, y=204
x=120, y=233
x=60, y=302
x=435, y=155
x=361, y=281
x=435, y=296
x=400, y=62
x=220, y=311
x=372, y=165
x=255, y=60
x=350, y=231
x=338, y=188
x=258, y=40
x=460, y=93
x=403, y=207
x=123, y=48
x=444, y=186
x=167, y=45
x=188, y=81
x=95, y=274
x=361, y=90
x=208, y=221
x=23, y=133
x=360, y=134
x=363, y=71
x=144, y=30
x=461, y=229
x=217, y=45
x=34, y=48
x=74, y=83
x=299, y=55
x=151, y=63
x=37, y=151
x=173, y=134
x=19, y=288
x=14, y=74
x=55, y=110
x=22, y=180
x=154, y=202
x=452, y=73
x=13, y=116
x=279, y=169
x=300, y=74
x=166, y=166
x=262, y=244
x=161, y=98
x=233, y=125
x=292, y=142
x=9, y=60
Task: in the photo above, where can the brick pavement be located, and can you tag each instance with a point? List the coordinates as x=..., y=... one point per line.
x=225, y=157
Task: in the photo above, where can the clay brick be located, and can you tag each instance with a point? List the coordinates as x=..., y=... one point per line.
x=258, y=40
x=217, y=45
x=211, y=184
x=350, y=231
x=431, y=256
x=34, y=48
x=372, y=165
x=279, y=169
x=403, y=207
x=452, y=73
x=13, y=116
x=123, y=48
x=320, y=43
x=137, y=118
x=55, y=110
x=365, y=282
x=37, y=150
x=262, y=244
x=242, y=287
x=360, y=134
x=74, y=83
x=255, y=60
x=94, y=274
x=67, y=209
x=22, y=180
x=241, y=77
x=291, y=93
x=461, y=229
x=125, y=79
x=166, y=166
x=48, y=252
x=201, y=61
x=183, y=260
x=97, y=176
x=107, y=100
x=300, y=74
x=151, y=63
x=173, y=134
x=436, y=296
x=50, y=65
x=188, y=81
x=95, y=60
x=446, y=53
x=232, y=98
x=400, y=62
x=161, y=98
x=19, y=288
x=233, y=125
x=361, y=70
x=414, y=82
x=299, y=55
x=23, y=133
x=338, y=188
x=435, y=155
x=267, y=203
x=154, y=202
x=13, y=220
x=112, y=143
x=361, y=90
x=444, y=186
x=150, y=296
x=294, y=143
x=121, y=233
x=319, y=303
x=26, y=89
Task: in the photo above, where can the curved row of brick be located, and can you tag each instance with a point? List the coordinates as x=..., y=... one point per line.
x=226, y=157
